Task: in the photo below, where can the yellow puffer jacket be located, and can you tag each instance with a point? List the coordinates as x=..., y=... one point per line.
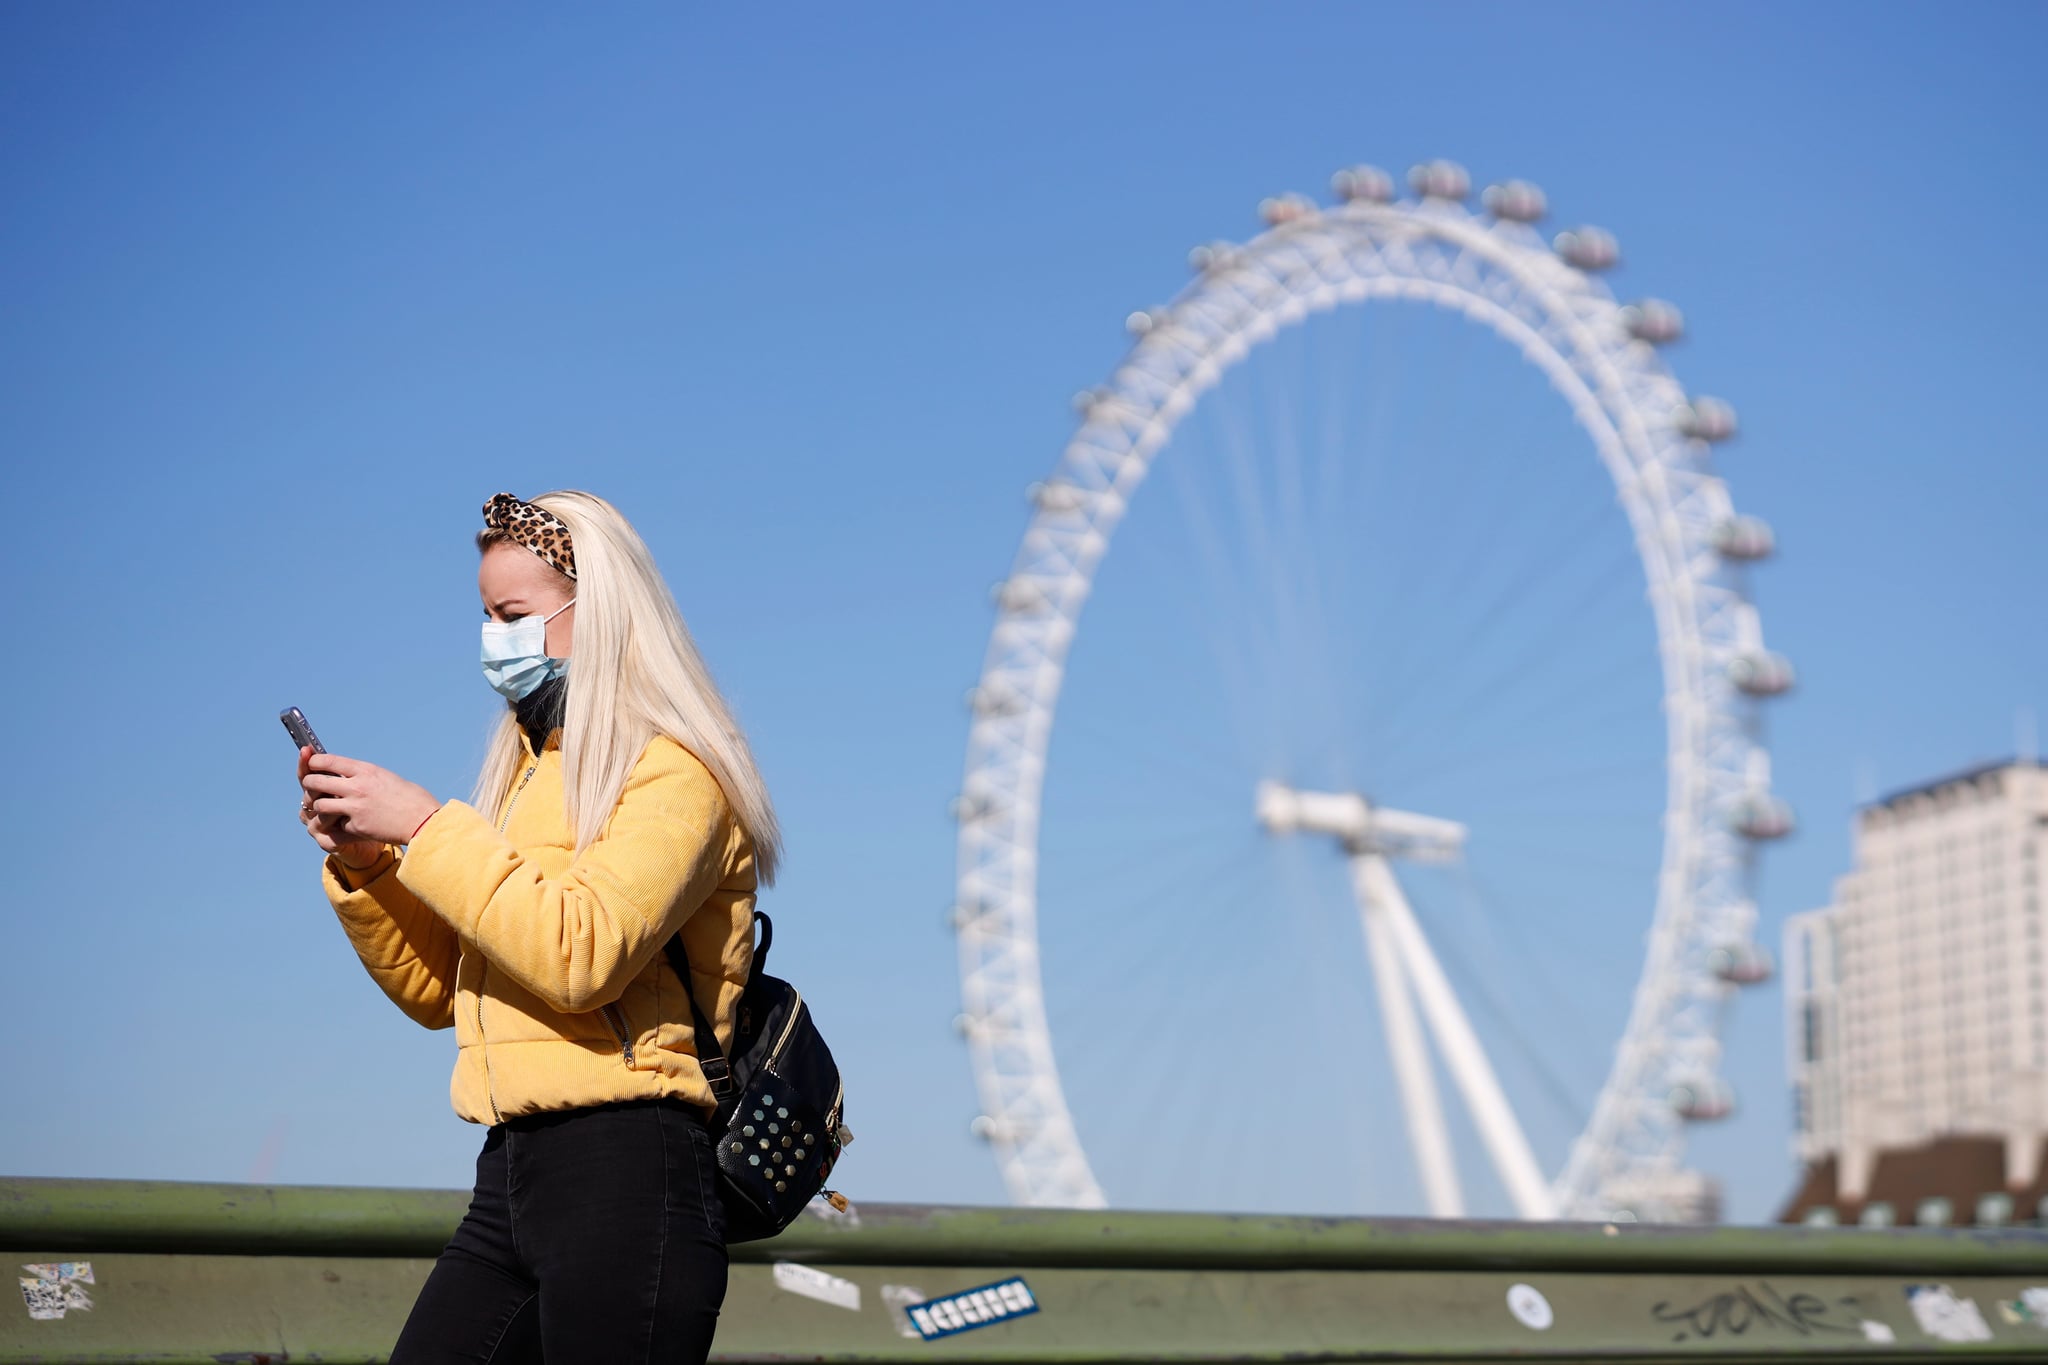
x=549, y=963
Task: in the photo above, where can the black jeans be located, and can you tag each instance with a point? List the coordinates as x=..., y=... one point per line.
x=594, y=1235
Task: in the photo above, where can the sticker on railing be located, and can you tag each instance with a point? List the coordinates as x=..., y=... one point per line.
x=1529, y=1306
x=1944, y=1316
x=2030, y=1307
x=898, y=1297
x=53, y=1288
x=971, y=1308
x=816, y=1284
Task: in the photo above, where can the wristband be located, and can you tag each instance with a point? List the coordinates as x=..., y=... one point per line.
x=422, y=824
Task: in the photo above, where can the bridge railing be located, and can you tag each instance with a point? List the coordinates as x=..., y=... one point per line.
x=168, y=1272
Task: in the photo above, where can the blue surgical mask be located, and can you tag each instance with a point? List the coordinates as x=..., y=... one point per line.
x=516, y=654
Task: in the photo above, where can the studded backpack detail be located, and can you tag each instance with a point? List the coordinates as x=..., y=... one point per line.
x=780, y=1122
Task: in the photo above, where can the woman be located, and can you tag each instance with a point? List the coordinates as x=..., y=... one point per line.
x=619, y=805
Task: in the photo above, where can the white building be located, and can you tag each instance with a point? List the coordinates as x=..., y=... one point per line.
x=1916, y=1010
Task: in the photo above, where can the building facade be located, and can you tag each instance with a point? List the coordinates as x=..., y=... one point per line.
x=1917, y=1016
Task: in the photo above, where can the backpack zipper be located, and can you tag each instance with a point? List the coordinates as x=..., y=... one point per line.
x=834, y=1112
x=835, y=1115
x=484, y=963
x=775, y=1053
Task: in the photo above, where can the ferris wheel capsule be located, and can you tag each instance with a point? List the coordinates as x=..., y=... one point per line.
x=1440, y=180
x=1654, y=321
x=1054, y=495
x=1761, y=673
x=989, y=700
x=1363, y=184
x=1705, y=419
x=1019, y=595
x=1745, y=538
x=1286, y=208
x=1518, y=201
x=1210, y=256
x=1588, y=248
x=1704, y=1099
x=1760, y=816
x=1741, y=964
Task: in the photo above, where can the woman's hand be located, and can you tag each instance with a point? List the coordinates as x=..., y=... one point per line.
x=352, y=808
x=326, y=831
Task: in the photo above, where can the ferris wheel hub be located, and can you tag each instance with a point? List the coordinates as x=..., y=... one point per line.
x=1359, y=825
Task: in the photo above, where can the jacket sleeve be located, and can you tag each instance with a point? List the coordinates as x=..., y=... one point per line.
x=408, y=950
x=577, y=940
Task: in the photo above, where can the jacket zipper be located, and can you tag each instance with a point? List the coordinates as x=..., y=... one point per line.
x=525, y=778
x=611, y=1016
x=484, y=963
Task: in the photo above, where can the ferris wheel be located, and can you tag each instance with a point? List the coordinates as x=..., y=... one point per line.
x=1546, y=298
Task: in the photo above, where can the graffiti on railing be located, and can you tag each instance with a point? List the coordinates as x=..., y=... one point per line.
x=1759, y=1306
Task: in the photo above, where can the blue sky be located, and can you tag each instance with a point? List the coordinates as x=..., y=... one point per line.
x=288, y=292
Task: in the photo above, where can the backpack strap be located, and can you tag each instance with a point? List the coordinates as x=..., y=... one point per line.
x=711, y=1059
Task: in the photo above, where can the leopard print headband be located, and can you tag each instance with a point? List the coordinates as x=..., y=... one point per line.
x=538, y=529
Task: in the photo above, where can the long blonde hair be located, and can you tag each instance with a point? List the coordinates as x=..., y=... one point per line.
x=635, y=673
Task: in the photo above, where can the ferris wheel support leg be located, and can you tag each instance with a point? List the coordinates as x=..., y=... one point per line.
x=1498, y=1128
x=1419, y=1101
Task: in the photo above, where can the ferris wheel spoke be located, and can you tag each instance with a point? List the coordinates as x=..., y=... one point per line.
x=1579, y=702
x=1518, y=586
x=1132, y=878
x=1536, y=851
x=1518, y=668
x=1559, y=597
x=1496, y=507
x=1115, y=857
x=1528, y=784
x=1529, y=956
x=1580, y=717
x=1138, y=1068
x=1188, y=754
x=1334, y=450
x=1354, y=463
x=1504, y=1028
x=1291, y=603
x=1574, y=709
x=1164, y=908
x=1225, y=585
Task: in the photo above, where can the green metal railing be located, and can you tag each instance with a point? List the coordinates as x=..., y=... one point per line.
x=217, y=1273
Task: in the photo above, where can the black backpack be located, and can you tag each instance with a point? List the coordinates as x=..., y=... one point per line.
x=780, y=1122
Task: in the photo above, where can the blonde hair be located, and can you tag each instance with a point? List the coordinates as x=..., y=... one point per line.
x=635, y=674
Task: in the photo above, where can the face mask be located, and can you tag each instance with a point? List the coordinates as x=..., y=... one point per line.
x=515, y=654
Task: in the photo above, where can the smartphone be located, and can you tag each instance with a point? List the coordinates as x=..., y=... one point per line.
x=302, y=734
